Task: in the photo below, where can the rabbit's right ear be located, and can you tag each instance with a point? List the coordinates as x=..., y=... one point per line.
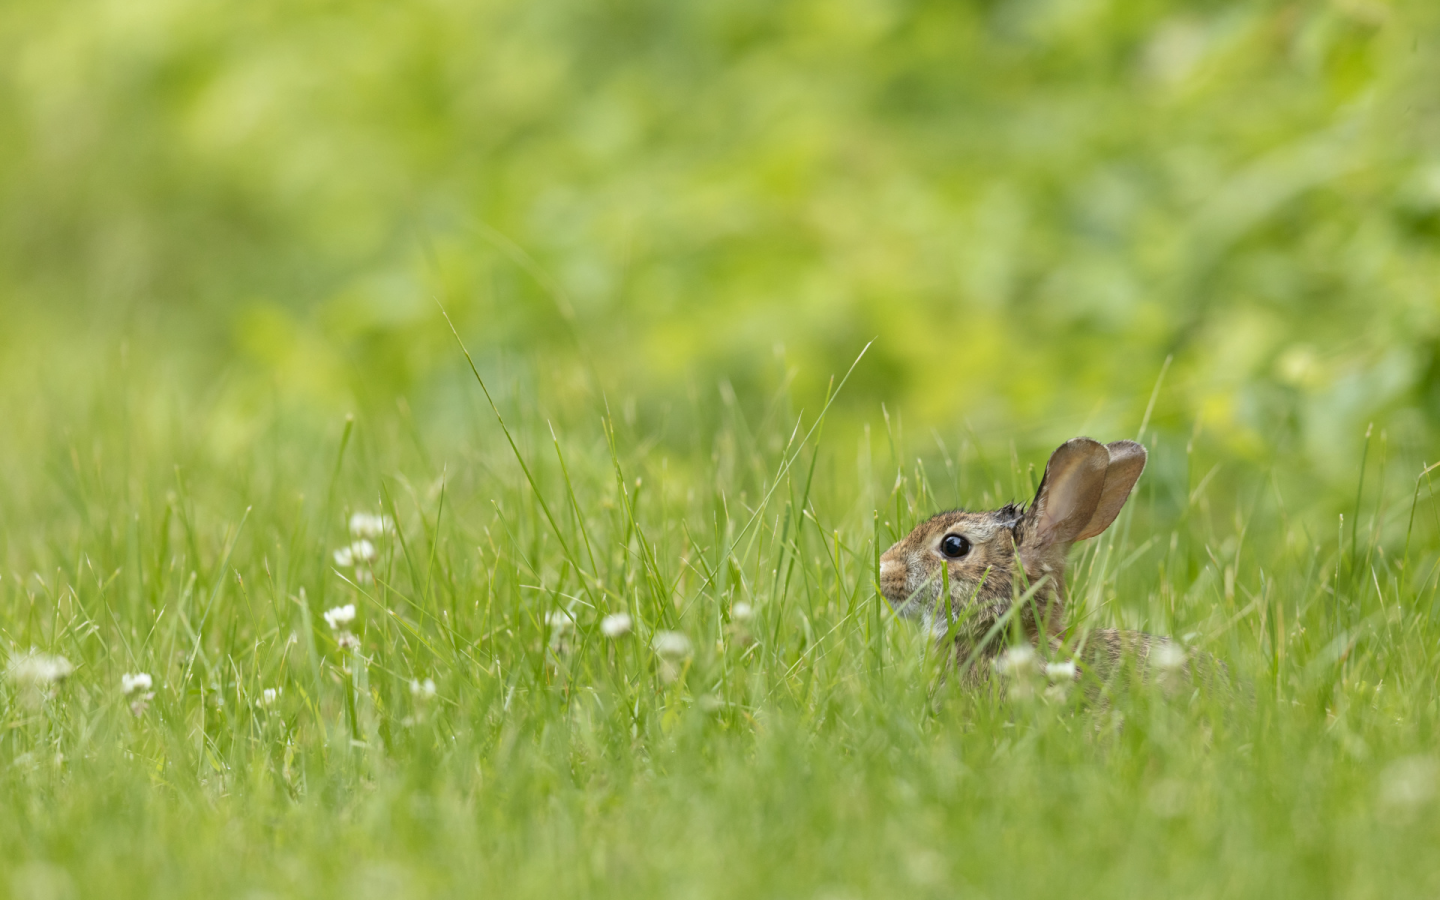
x=1127, y=461
x=1067, y=500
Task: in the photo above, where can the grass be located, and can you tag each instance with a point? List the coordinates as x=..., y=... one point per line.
x=811, y=750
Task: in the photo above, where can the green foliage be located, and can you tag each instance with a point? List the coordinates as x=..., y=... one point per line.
x=1029, y=204
x=665, y=231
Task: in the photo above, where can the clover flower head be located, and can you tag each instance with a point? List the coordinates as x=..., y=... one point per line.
x=616, y=625
x=1168, y=656
x=340, y=615
x=36, y=669
x=1060, y=671
x=355, y=554
x=671, y=644
x=140, y=681
x=1020, y=660
x=371, y=525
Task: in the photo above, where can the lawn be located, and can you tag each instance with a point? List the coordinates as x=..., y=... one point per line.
x=763, y=726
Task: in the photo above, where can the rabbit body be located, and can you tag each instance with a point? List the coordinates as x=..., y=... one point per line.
x=993, y=559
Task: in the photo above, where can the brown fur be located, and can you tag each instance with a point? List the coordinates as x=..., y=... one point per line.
x=1020, y=554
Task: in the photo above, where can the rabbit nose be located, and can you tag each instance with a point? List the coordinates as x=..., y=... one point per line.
x=889, y=569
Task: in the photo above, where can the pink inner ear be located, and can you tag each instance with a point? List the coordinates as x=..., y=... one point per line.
x=1071, y=504
x=1071, y=491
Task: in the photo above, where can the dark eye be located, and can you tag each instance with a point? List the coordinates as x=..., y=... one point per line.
x=954, y=546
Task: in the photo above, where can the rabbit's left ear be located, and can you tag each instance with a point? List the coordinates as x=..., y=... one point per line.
x=1068, y=498
x=1127, y=461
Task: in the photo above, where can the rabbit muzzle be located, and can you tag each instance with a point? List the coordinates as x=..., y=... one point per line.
x=904, y=584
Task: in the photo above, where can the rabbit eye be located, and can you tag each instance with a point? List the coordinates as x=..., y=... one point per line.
x=954, y=546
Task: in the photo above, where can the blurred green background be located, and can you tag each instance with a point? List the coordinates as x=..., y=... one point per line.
x=1029, y=205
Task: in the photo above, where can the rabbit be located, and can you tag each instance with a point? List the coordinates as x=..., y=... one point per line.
x=992, y=559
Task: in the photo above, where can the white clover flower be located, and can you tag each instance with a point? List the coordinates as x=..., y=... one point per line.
x=558, y=620
x=269, y=696
x=139, y=685
x=137, y=682
x=423, y=689
x=1018, y=660
x=340, y=615
x=1168, y=657
x=37, y=669
x=371, y=525
x=616, y=625
x=742, y=612
x=1061, y=671
x=671, y=644
x=358, y=553
x=347, y=641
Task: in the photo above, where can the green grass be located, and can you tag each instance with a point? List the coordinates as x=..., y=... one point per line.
x=812, y=751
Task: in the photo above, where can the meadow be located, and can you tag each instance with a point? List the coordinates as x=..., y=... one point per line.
x=446, y=451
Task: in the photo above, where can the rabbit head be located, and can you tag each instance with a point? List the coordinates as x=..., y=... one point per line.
x=991, y=558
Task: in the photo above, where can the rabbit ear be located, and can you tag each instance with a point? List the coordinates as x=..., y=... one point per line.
x=1067, y=500
x=1127, y=461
